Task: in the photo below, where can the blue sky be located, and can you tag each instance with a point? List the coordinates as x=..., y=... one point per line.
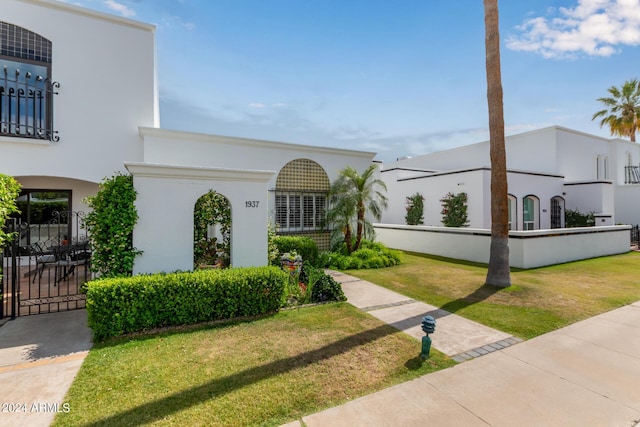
x=397, y=77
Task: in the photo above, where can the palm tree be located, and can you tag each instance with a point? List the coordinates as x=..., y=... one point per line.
x=354, y=193
x=622, y=112
x=498, y=273
x=340, y=218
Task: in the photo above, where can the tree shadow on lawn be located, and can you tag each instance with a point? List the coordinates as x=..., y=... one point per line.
x=182, y=400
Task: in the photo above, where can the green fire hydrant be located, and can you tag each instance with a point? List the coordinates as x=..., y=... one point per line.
x=429, y=327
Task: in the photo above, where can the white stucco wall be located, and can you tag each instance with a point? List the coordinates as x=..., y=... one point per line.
x=527, y=249
x=106, y=69
x=434, y=187
x=165, y=204
x=627, y=204
x=196, y=149
x=590, y=196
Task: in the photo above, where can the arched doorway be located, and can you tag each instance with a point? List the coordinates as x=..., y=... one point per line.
x=212, y=231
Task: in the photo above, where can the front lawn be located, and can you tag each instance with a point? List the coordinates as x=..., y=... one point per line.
x=539, y=300
x=265, y=372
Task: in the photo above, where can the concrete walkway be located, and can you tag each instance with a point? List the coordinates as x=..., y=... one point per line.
x=455, y=336
x=39, y=358
x=587, y=374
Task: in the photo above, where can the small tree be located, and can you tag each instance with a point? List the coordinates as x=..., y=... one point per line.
x=110, y=226
x=359, y=194
x=454, y=210
x=415, y=210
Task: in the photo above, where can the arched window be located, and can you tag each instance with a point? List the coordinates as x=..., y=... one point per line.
x=513, y=212
x=557, y=212
x=301, y=196
x=26, y=88
x=530, y=215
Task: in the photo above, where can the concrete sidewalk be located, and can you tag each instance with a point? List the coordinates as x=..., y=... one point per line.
x=39, y=358
x=455, y=336
x=587, y=374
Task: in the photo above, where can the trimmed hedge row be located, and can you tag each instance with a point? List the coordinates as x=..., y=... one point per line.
x=117, y=306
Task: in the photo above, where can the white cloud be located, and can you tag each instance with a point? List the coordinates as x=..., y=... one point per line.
x=170, y=21
x=592, y=28
x=257, y=105
x=120, y=8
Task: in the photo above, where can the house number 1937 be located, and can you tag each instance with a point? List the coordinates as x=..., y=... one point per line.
x=251, y=203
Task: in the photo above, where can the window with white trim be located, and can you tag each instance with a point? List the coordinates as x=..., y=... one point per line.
x=529, y=213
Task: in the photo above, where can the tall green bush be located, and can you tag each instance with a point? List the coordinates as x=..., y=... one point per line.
x=415, y=210
x=454, y=210
x=110, y=226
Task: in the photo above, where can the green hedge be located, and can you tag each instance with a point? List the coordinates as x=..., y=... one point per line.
x=306, y=247
x=121, y=305
x=370, y=255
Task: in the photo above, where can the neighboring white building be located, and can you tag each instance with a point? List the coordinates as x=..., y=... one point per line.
x=93, y=111
x=548, y=171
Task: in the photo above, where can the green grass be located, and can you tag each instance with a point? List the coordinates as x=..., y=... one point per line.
x=539, y=300
x=264, y=372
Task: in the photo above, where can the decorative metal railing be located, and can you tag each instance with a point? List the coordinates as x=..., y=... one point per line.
x=26, y=105
x=632, y=174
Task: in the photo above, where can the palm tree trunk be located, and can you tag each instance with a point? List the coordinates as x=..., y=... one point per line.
x=498, y=272
x=360, y=227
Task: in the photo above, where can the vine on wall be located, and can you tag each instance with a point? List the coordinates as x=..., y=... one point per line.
x=415, y=210
x=110, y=226
x=9, y=192
x=454, y=210
x=212, y=208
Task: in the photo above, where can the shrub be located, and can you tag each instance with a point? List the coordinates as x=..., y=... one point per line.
x=121, y=305
x=303, y=246
x=370, y=255
x=574, y=218
x=322, y=286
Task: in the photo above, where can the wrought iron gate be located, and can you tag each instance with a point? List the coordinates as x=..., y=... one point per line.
x=45, y=266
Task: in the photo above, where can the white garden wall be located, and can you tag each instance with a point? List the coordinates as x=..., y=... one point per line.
x=166, y=199
x=528, y=249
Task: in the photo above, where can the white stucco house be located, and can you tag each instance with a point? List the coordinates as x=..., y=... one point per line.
x=548, y=171
x=79, y=101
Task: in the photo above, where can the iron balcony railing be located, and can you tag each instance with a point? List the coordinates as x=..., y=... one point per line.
x=26, y=105
x=632, y=174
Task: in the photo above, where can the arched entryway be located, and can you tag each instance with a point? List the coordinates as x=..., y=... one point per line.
x=212, y=231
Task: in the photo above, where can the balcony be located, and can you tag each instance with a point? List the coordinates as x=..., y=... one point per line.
x=632, y=174
x=26, y=105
